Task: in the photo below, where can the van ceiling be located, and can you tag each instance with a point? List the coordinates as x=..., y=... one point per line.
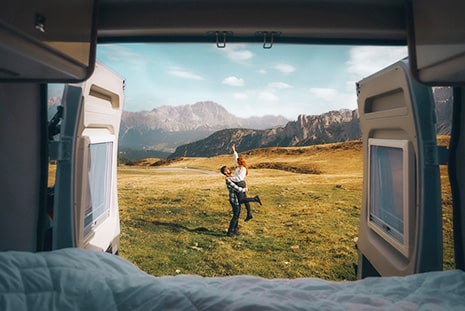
x=291, y=21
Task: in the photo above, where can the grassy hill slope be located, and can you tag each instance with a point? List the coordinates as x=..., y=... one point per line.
x=174, y=215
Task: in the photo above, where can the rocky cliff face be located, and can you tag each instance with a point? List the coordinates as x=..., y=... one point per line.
x=333, y=126
x=200, y=116
x=167, y=127
x=329, y=127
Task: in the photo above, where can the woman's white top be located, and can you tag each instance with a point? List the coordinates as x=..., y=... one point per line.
x=240, y=172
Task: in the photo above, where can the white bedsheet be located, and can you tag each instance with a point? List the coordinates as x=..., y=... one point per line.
x=76, y=279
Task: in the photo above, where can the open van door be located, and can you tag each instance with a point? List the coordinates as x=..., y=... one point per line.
x=401, y=217
x=85, y=208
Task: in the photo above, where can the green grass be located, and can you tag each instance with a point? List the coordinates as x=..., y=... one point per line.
x=175, y=222
x=166, y=231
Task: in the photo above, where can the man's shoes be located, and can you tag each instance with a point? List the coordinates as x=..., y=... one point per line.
x=249, y=217
x=257, y=199
x=231, y=234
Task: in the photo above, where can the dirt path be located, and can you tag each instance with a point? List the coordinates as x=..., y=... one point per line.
x=186, y=169
x=173, y=169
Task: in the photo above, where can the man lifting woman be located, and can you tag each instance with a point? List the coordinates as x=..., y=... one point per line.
x=237, y=191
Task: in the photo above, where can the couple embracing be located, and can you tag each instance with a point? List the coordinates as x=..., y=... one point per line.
x=237, y=191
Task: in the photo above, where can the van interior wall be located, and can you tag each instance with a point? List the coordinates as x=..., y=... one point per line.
x=21, y=161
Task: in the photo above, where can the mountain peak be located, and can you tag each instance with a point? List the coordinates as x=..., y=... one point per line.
x=151, y=129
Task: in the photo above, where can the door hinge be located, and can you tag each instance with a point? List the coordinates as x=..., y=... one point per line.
x=60, y=150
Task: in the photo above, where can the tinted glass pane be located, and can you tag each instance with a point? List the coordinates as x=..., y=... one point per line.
x=99, y=185
x=387, y=190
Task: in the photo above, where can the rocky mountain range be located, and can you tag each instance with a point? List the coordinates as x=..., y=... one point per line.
x=207, y=129
x=333, y=126
x=168, y=127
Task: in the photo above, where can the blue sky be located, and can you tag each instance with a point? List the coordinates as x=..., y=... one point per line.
x=246, y=79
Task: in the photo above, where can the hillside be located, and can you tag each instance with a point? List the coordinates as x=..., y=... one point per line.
x=307, y=226
x=313, y=160
x=178, y=207
x=332, y=158
x=333, y=126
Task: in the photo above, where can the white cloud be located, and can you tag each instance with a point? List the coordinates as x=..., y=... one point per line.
x=116, y=53
x=262, y=71
x=333, y=99
x=268, y=96
x=269, y=93
x=233, y=81
x=185, y=74
x=240, y=96
x=279, y=85
x=366, y=60
x=237, y=52
x=285, y=68
x=324, y=93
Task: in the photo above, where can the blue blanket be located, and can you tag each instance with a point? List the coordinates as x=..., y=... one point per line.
x=77, y=279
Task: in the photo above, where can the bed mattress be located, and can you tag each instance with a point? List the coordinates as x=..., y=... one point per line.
x=77, y=279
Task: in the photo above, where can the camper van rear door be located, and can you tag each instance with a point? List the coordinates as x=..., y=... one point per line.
x=96, y=199
x=94, y=220
x=400, y=223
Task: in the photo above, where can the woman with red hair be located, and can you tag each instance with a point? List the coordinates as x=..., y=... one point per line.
x=240, y=173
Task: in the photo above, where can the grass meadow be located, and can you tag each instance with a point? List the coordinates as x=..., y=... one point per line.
x=174, y=216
